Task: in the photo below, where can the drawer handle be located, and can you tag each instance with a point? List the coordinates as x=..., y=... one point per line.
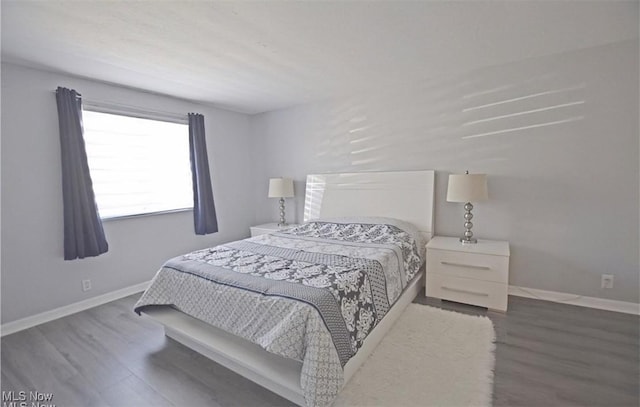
x=447, y=263
x=464, y=291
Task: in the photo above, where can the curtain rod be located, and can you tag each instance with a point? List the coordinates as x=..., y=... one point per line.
x=132, y=111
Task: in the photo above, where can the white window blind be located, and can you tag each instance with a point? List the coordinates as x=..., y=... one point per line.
x=138, y=166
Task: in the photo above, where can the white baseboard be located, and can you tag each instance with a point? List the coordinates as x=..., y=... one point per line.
x=28, y=322
x=580, y=300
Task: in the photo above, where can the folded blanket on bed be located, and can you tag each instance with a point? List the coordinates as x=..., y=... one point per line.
x=312, y=293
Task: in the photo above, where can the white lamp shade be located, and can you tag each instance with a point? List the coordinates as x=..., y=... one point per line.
x=280, y=188
x=467, y=188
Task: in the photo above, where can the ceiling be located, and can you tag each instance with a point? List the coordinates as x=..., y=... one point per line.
x=254, y=57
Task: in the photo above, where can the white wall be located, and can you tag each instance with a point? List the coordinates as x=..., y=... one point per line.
x=563, y=179
x=565, y=194
x=35, y=278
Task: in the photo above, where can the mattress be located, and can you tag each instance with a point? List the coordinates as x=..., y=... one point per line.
x=310, y=293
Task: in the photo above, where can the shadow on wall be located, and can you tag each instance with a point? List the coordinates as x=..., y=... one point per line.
x=558, y=136
x=452, y=119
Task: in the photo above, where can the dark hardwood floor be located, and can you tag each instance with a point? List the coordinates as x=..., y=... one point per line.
x=547, y=354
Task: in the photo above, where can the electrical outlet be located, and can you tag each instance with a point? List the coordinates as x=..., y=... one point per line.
x=86, y=285
x=607, y=281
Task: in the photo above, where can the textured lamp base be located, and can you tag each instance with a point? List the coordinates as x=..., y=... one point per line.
x=468, y=234
x=282, y=222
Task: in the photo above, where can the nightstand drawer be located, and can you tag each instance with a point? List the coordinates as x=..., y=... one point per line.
x=482, y=293
x=476, y=266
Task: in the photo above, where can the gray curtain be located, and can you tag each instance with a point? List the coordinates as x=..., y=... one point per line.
x=83, y=233
x=204, y=211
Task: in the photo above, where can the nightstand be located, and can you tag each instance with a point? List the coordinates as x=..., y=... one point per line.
x=476, y=274
x=269, y=228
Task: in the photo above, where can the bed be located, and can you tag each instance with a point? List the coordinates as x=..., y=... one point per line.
x=299, y=310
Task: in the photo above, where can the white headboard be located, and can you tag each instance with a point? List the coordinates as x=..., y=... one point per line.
x=404, y=195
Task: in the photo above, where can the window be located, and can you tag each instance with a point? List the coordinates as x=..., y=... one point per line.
x=138, y=166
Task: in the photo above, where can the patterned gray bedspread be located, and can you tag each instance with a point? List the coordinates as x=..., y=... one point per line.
x=312, y=293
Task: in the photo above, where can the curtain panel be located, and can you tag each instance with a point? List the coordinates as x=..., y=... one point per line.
x=204, y=210
x=83, y=232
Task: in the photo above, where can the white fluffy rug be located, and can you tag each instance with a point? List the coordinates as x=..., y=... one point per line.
x=431, y=357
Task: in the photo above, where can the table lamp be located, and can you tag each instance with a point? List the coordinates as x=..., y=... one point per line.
x=467, y=188
x=281, y=188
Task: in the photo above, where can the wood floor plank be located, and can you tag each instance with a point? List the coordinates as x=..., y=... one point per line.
x=28, y=359
x=133, y=392
x=547, y=354
x=119, y=318
x=141, y=346
x=77, y=391
x=84, y=351
x=228, y=387
x=174, y=384
x=32, y=363
x=7, y=383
